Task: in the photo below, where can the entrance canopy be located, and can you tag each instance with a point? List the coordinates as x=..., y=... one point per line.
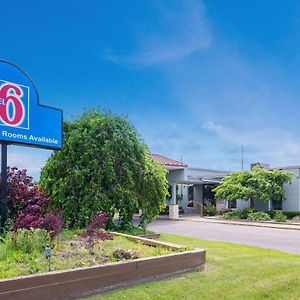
x=180, y=173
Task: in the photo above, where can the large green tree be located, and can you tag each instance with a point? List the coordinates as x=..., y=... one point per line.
x=258, y=184
x=103, y=166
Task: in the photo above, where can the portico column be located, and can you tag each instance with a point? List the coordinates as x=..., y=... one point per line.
x=173, y=207
x=174, y=194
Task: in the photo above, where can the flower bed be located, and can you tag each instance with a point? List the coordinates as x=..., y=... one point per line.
x=114, y=263
x=71, y=251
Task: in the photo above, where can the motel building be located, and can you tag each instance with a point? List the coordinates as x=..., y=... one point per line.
x=191, y=189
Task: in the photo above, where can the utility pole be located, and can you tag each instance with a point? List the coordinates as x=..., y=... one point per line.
x=242, y=158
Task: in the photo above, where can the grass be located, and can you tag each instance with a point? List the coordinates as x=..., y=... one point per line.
x=232, y=272
x=68, y=253
x=134, y=231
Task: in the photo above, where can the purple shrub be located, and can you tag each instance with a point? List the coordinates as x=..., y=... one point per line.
x=29, y=206
x=96, y=230
x=53, y=223
x=19, y=186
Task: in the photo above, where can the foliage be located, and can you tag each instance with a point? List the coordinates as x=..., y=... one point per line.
x=132, y=231
x=153, y=190
x=69, y=253
x=103, y=167
x=28, y=240
x=34, y=214
x=53, y=223
x=280, y=217
x=232, y=215
x=258, y=184
x=248, y=210
x=120, y=254
x=291, y=214
x=96, y=230
x=209, y=210
x=258, y=216
x=96, y=227
x=19, y=190
x=28, y=205
x=225, y=210
x=239, y=214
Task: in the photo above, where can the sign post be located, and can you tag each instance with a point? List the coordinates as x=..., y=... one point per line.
x=3, y=184
x=23, y=120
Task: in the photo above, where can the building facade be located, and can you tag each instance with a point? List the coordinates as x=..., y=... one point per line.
x=191, y=189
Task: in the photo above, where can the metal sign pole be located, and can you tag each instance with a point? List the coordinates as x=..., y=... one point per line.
x=3, y=184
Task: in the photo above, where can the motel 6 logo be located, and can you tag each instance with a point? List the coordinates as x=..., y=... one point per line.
x=14, y=105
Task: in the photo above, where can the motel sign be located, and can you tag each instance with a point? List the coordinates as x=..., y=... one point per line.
x=23, y=120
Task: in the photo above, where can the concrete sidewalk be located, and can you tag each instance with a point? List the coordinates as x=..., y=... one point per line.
x=197, y=218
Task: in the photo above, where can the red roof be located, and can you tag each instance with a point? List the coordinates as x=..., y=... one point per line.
x=162, y=160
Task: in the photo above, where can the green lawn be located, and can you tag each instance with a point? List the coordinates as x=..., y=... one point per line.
x=232, y=272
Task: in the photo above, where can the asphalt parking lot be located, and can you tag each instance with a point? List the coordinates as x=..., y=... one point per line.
x=270, y=238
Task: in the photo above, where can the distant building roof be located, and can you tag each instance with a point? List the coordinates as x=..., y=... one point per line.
x=167, y=162
x=287, y=167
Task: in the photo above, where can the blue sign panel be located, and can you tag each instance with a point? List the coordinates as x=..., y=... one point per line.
x=22, y=119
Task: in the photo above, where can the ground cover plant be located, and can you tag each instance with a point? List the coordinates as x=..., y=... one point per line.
x=232, y=272
x=258, y=216
x=280, y=217
x=209, y=210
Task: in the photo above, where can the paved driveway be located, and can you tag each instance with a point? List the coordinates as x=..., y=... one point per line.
x=279, y=239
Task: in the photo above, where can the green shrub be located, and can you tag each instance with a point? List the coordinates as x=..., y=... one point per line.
x=225, y=210
x=246, y=211
x=209, y=210
x=271, y=213
x=28, y=240
x=280, y=217
x=291, y=214
x=258, y=216
x=233, y=215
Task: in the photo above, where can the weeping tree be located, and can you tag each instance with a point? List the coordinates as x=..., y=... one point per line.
x=103, y=166
x=258, y=184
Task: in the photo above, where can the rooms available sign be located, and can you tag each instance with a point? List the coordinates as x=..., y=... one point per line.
x=23, y=120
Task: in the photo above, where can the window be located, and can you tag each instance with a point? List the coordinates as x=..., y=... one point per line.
x=232, y=204
x=277, y=204
x=190, y=196
x=208, y=194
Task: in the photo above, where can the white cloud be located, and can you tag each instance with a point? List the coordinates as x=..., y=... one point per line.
x=182, y=30
x=270, y=145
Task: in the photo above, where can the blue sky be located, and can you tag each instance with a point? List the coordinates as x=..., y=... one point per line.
x=198, y=79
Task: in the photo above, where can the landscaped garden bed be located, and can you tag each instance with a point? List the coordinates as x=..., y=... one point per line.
x=79, y=269
x=251, y=215
x=71, y=251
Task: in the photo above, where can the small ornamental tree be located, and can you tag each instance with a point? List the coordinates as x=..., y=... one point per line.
x=19, y=186
x=95, y=230
x=258, y=184
x=103, y=166
x=28, y=206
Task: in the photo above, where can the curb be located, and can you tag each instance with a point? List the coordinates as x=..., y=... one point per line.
x=284, y=227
